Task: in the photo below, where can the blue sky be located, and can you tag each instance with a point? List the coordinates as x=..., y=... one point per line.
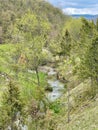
x=77, y=6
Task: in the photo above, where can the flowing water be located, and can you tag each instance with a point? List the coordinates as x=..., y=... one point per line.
x=53, y=82
x=57, y=89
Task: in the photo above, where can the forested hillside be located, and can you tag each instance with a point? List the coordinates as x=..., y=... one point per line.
x=48, y=68
x=12, y=10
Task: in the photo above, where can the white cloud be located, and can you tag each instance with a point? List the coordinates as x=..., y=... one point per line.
x=66, y=3
x=81, y=11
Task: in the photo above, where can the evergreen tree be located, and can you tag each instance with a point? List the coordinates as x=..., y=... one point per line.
x=91, y=59
x=97, y=24
x=11, y=106
x=66, y=43
x=88, y=68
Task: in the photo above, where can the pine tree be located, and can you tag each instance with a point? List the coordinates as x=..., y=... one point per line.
x=91, y=59
x=87, y=68
x=89, y=65
x=66, y=43
x=11, y=106
x=97, y=24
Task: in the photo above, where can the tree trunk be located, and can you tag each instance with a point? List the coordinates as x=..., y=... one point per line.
x=37, y=74
x=68, y=101
x=12, y=124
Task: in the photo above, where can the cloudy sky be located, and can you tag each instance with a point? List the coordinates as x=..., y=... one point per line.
x=77, y=6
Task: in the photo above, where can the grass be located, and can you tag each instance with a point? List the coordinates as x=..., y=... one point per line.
x=27, y=81
x=84, y=109
x=29, y=85
x=86, y=117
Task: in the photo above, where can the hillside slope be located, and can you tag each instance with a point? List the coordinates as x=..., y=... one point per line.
x=12, y=10
x=84, y=110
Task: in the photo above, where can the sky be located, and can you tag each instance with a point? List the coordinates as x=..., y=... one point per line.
x=77, y=6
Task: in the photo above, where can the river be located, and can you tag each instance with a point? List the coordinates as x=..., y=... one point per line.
x=53, y=82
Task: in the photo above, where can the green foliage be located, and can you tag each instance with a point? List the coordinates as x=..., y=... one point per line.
x=35, y=52
x=90, y=61
x=42, y=11
x=87, y=43
x=66, y=43
x=11, y=105
x=55, y=107
x=73, y=26
x=97, y=24
x=28, y=27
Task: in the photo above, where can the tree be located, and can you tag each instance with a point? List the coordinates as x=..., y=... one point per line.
x=66, y=44
x=34, y=31
x=86, y=35
x=88, y=68
x=90, y=60
x=35, y=55
x=97, y=24
x=0, y=35
x=11, y=105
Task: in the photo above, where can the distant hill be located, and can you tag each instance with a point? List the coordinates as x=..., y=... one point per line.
x=12, y=10
x=87, y=16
